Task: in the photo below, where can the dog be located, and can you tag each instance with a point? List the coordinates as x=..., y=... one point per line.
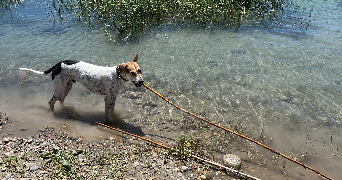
x=101, y=80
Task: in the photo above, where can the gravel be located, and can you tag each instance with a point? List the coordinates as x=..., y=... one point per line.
x=52, y=154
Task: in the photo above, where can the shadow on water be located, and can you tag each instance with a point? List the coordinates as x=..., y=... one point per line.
x=70, y=113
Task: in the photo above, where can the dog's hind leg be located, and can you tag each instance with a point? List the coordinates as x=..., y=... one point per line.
x=60, y=85
x=52, y=101
x=58, y=90
x=67, y=90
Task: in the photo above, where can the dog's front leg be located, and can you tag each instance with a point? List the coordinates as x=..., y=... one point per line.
x=109, y=105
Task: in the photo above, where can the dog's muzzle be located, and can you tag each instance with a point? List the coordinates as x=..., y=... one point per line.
x=138, y=83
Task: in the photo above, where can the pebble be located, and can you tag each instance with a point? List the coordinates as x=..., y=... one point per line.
x=5, y=140
x=33, y=168
x=81, y=157
x=184, y=168
x=42, y=172
x=8, y=176
x=233, y=161
x=49, y=143
x=203, y=177
x=29, y=165
x=136, y=163
x=191, y=175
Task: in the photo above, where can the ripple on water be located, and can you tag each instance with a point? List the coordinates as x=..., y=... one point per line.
x=278, y=83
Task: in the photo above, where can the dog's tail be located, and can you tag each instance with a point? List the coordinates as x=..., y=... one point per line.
x=37, y=72
x=53, y=68
x=56, y=69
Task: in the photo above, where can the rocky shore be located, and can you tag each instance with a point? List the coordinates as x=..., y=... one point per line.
x=52, y=154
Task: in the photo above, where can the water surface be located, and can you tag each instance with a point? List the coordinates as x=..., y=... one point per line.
x=278, y=82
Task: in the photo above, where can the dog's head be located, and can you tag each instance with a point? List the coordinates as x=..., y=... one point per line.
x=131, y=71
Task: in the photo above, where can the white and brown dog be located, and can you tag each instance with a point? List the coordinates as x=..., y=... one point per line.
x=98, y=79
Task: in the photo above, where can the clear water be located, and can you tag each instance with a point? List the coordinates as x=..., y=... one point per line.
x=280, y=80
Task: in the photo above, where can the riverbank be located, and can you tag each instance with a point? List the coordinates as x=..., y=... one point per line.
x=52, y=154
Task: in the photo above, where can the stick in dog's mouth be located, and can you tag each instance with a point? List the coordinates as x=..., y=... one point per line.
x=138, y=83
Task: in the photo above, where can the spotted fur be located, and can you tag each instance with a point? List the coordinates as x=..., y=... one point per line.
x=56, y=69
x=98, y=79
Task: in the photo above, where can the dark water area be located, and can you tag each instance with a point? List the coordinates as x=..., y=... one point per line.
x=275, y=80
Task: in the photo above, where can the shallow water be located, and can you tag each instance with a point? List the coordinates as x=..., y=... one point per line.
x=278, y=82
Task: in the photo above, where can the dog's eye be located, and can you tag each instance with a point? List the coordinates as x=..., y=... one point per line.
x=133, y=73
x=139, y=71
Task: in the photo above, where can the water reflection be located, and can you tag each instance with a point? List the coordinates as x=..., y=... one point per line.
x=127, y=20
x=10, y=4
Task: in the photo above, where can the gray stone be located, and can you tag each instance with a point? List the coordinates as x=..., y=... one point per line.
x=136, y=163
x=81, y=158
x=29, y=165
x=191, y=175
x=232, y=161
x=184, y=168
x=33, y=168
x=8, y=176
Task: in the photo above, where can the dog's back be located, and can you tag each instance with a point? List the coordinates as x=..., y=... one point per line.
x=56, y=69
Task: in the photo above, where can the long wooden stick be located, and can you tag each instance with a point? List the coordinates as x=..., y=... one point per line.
x=237, y=134
x=241, y=175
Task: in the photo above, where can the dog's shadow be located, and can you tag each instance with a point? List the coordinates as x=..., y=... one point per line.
x=115, y=121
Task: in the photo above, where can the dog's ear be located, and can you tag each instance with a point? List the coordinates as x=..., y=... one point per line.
x=126, y=68
x=122, y=67
x=135, y=59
